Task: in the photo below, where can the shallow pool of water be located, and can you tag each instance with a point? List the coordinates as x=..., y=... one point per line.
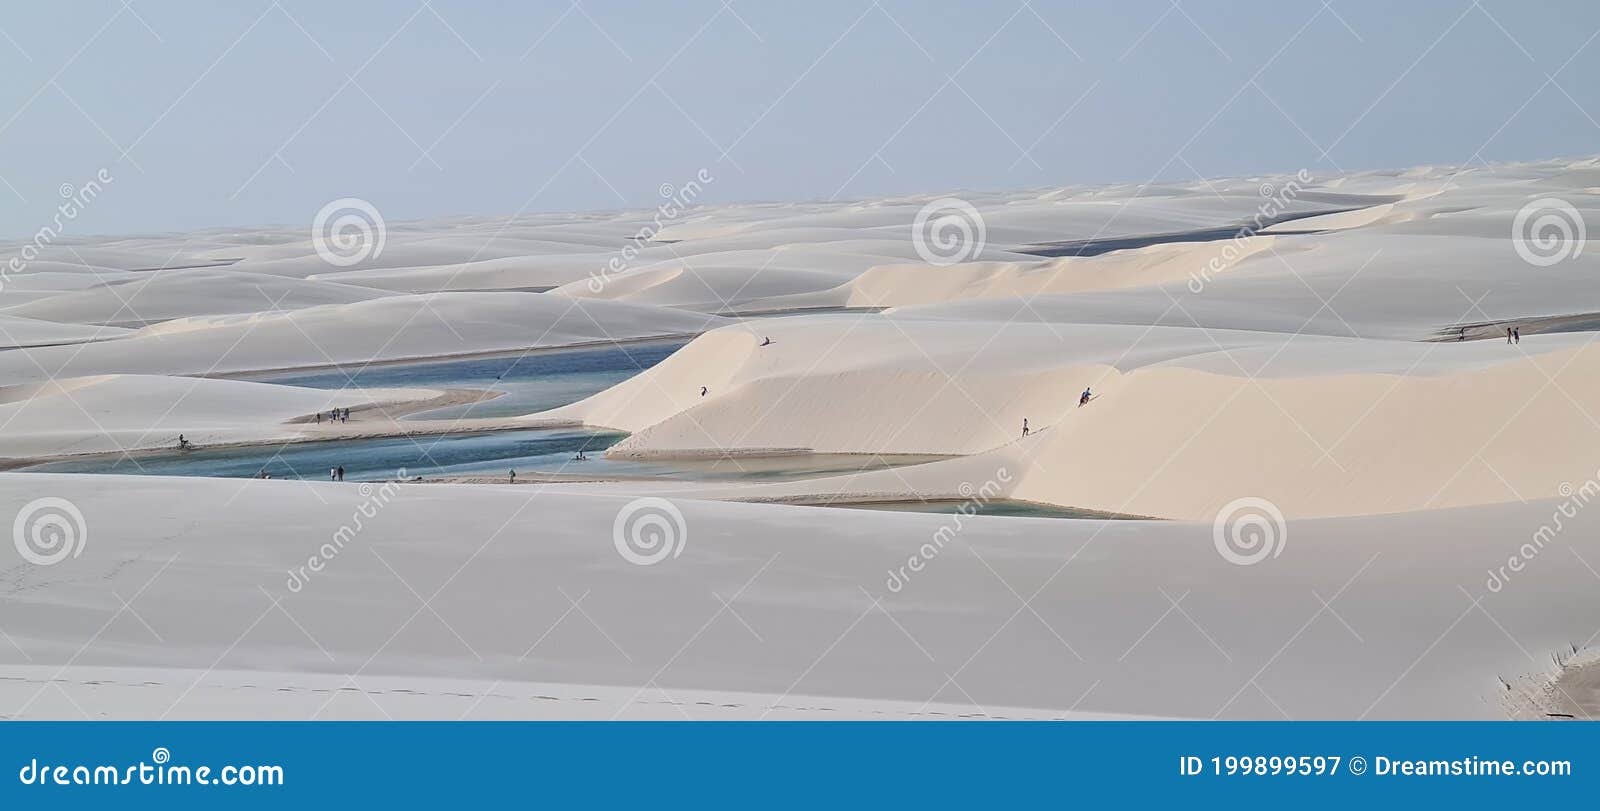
x=536, y=381
x=759, y=468
x=1001, y=507
x=363, y=459
x=545, y=451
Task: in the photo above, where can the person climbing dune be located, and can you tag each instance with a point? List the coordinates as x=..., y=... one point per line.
x=1085, y=397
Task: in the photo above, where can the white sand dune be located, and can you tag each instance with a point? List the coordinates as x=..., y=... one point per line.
x=42, y=279
x=1187, y=442
x=164, y=295
x=294, y=253
x=1333, y=347
x=122, y=692
x=66, y=277
x=141, y=412
x=727, y=281
x=112, y=254
x=534, y=273
x=904, y=285
x=807, y=611
x=20, y=332
x=1359, y=284
x=1320, y=426
x=378, y=329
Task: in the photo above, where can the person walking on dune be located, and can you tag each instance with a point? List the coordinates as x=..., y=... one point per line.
x=703, y=391
x=513, y=477
x=1508, y=335
x=341, y=472
x=1084, y=398
x=1516, y=335
x=1024, y=426
x=333, y=474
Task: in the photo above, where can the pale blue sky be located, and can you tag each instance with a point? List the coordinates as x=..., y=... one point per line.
x=238, y=113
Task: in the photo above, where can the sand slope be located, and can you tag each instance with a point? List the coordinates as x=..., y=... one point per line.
x=809, y=610
x=1332, y=347
x=16, y=332
x=165, y=295
x=136, y=412
x=1183, y=424
x=378, y=329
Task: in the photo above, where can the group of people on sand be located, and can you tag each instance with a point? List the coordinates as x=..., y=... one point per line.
x=336, y=474
x=1083, y=400
x=335, y=415
x=1513, y=334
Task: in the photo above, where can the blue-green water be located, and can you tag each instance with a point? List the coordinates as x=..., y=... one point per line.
x=365, y=459
x=531, y=383
x=1000, y=507
x=486, y=454
x=536, y=381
